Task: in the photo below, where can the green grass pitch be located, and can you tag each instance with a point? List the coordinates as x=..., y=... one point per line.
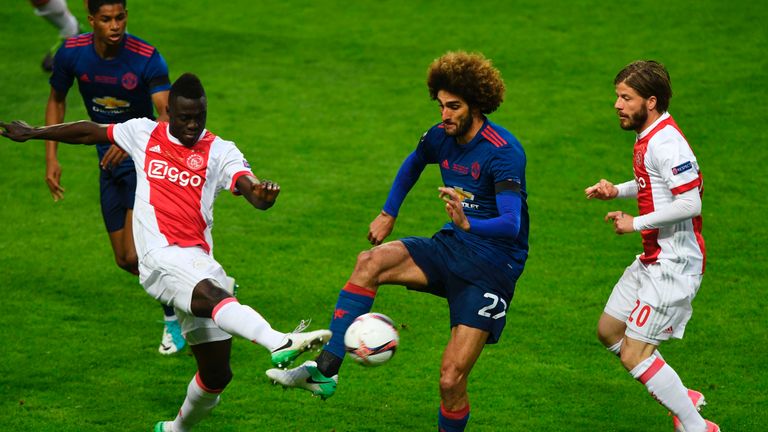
x=327, y=98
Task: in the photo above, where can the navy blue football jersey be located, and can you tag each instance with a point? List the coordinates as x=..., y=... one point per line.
x=493, y=156
x=113, y=90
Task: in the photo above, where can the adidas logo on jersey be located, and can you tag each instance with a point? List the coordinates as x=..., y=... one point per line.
x=155, y=148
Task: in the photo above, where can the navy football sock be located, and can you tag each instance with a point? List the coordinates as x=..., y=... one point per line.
x=452, y=421
x=353, y=301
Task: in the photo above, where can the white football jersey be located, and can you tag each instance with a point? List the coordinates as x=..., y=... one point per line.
x=176, y=185
x=665, y=166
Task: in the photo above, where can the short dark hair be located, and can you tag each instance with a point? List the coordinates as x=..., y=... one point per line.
x=187, y=86
x=95, y=5
x=648, y=78
x=468, y=75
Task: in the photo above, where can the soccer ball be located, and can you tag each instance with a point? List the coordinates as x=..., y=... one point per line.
x=372, y=339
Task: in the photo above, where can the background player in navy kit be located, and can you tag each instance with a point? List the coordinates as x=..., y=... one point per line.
x=120, y=77
x=474, y=260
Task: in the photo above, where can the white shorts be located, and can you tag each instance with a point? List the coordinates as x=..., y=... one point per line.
x=654, y=301
x=169, y=274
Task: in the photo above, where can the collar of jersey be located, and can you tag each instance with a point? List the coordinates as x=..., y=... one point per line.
x=173, y=139
x=653, y=125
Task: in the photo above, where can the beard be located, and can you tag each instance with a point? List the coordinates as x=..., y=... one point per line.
x=636, y=120
x=463, y=126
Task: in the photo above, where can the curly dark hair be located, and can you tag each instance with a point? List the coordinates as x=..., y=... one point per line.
x=468, y=75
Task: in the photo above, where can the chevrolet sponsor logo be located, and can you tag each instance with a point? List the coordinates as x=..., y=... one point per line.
x=111, y=103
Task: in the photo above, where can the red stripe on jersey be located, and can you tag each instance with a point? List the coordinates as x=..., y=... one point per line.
x=651, y=248
x=233, y=186
x=131, y=45
x=496, y=134
x=441, y=126
x=78, y=41
x=686, y=187
x=139, y=43
x=698, y=223
x=652, y=370
x=175, y=188
x=491, y=138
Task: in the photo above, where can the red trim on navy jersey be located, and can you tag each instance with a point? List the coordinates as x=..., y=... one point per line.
x=357, y=289
x=79, y=41
x=491, y=139
x=493, y=132
x=652, y=370
x=138, y=47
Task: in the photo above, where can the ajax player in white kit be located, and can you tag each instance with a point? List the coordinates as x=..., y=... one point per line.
x=651, y=302
x=181, y=167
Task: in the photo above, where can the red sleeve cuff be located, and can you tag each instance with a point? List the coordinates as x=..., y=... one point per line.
x=233, y=186
x=111, y=133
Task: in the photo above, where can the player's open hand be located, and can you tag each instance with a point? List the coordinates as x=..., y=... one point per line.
x=603, y=190
x=53, y=178
x=380, y=228
x=16, y=130
x=622, y=222
x=267, y=191
x=113, y=157
x=454, y=207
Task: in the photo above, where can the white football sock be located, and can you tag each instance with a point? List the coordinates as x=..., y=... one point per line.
x=666, y=387
x=57, y=13
x=197, y=405
x=243, y=321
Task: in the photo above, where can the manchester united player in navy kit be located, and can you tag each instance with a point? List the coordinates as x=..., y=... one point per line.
x=474, y=261
x=120, y=77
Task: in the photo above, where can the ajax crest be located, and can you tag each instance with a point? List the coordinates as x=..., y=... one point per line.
x=195, y=161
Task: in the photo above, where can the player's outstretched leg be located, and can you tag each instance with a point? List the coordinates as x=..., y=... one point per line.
x=241, y=320
x=295, y=343
x=321, y=376
x=306, y=377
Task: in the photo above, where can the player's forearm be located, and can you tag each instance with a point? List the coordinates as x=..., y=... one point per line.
x=54, y=114
x=627, y=189
x=407, y=176
x=687, y=205
x=507, y=224
x=80, y=132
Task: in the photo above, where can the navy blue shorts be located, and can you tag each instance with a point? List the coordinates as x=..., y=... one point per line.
x=118, y=190
x=478, y=293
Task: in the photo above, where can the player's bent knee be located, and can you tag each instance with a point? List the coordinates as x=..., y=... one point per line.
x=216, y=380
x=451, y=378
x=368, y=265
